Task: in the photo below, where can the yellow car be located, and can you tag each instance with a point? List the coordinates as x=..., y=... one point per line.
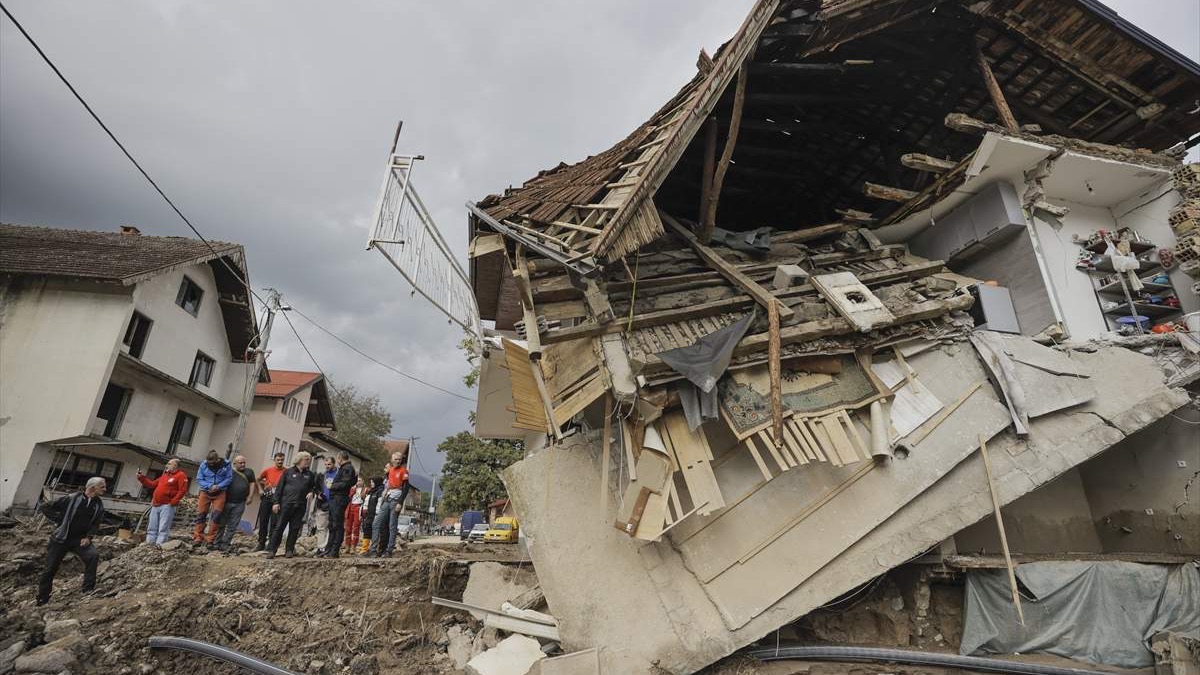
x=504, y=530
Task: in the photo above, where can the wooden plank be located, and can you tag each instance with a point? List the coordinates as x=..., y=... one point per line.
x=863, y=451
x=811, y=233
x=765, y=438
x=762, y=466
x=695, y=109
x=994, y=91
x=708, y=218
x=804, y=441
x=627, y=445
x=693, y=463
x=819, y=433
x=549, y=404
x=727, y=269
x=606, y=450
x=630, y=525
x=887, y=193
x=773, y=355
x=793, y=446
x=927, y=163
x=832, y=425
x=710, y=162
x=1012, y=575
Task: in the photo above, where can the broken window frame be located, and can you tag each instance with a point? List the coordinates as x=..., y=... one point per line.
x=189, y=296
x=184, y=422
x=137, y=334
x=202, y=370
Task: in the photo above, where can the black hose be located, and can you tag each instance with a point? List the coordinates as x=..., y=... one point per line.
x=914, y=658
x=217, y=652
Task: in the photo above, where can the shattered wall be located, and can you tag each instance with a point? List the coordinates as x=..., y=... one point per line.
x=643, y=603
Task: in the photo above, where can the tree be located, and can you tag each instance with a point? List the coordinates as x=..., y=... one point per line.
x=471, y=473
x=362, y=423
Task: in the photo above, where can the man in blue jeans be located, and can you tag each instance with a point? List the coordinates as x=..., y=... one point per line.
x=394, y=494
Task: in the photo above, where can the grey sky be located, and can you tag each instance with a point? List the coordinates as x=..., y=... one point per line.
x=269, y=123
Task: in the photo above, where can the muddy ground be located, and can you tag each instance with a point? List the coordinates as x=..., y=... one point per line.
x=355, y=615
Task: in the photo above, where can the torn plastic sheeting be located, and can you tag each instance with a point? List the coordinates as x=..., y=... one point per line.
x=705, y=360
x=752, y=241
x=1102, y=612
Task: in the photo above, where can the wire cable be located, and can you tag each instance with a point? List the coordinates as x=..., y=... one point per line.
x=238, y=274
x=367, y=356
x=137, y=165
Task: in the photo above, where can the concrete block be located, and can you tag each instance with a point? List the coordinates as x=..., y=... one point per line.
x=787, y=276
x=514, y=655
x=492, y=584
x=586, y=662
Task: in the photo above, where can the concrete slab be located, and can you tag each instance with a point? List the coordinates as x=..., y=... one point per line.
x=515, y=655
x=654, y=608
x=491, y=584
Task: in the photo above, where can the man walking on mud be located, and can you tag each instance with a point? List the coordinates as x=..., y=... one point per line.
x=340, y=487
x=267, y=480
x=296, y=487
x=78, y=516
x=213, y=479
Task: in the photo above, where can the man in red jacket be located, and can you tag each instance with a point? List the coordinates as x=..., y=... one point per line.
x=169, y=489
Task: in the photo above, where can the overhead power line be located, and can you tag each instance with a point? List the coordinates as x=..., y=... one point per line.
x=367, y=356
x=238, y=274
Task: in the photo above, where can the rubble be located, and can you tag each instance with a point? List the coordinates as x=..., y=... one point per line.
x=515, y=655
x=728, y=428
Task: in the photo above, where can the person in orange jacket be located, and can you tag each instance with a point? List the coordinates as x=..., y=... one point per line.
x=169, y=489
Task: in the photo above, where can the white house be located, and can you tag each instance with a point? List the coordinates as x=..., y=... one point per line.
x=117, y=352
x=292, y=412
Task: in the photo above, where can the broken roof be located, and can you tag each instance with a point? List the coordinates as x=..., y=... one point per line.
x=837, y=90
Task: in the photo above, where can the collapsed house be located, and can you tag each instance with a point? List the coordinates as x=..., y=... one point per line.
x=880, y=268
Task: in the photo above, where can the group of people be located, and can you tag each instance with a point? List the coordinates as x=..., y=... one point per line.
x=346, y=513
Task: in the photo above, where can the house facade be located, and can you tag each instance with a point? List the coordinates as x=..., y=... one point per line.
x=118, y=352
x=292, y=412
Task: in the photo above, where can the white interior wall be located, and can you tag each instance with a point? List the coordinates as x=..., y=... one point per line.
x=1073, y=287
x=1148, y=213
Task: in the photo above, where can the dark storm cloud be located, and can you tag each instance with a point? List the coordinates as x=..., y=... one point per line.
x=268, y=123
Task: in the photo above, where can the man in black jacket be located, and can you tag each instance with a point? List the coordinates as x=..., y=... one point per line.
x=295, y=487
x=339, y=498
x=79, y=516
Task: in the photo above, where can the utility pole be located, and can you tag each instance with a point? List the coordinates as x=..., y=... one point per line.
x=260, y=357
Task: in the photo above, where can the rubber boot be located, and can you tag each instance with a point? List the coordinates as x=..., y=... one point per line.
x=366, y=545
x=198, y=533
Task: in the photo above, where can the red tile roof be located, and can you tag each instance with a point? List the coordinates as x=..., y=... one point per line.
x=285, y=383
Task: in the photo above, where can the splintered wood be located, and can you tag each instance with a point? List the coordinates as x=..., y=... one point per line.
x=527, y=401
x=832, y=438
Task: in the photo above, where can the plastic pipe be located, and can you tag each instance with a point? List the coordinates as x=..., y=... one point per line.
x=219, y=653
x=976, y=663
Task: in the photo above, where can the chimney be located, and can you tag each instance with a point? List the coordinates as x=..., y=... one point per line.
x=130, y=230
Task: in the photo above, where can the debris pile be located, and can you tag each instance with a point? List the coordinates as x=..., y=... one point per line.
x=306, y=615
x=732, y=422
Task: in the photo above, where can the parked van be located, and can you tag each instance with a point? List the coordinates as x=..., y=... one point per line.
x=468, y=522
x=505, y=530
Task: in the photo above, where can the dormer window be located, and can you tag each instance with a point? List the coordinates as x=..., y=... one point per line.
x=189, y=296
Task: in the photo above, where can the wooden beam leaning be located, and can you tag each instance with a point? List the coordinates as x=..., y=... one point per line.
x=774, y=351
x=1012, y=575
x=665, y=316
x=726, y=268
x=708, y=218
x=993, y=87
x=710, y=162
x=922, y=162
x=887, y=193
